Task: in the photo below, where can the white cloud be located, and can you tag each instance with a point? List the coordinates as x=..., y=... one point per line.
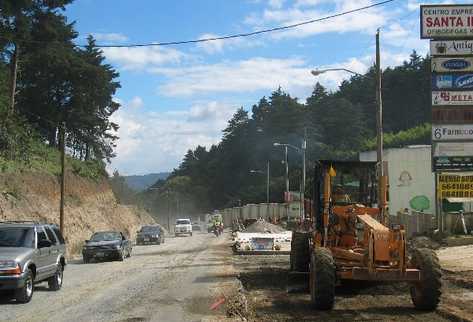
x=277, y=4
x=143, y=57
x=136, y=102
x=366, y=21
x=151, y=141
x=218, y=46
x=240, y=76
x=109, y=37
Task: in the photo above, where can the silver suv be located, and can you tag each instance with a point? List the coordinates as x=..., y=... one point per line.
x=30, y=253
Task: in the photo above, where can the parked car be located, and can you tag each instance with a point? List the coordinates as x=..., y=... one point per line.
x=183, y=227
x=107, y=245
x=150, y=235
x=30, y=253
x=196, y=226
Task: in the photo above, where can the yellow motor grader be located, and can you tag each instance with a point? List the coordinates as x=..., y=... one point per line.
x=349, y=238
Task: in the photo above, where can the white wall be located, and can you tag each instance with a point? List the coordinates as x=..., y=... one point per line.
x=410, y=175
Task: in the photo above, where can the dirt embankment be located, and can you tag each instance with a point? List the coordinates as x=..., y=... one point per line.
x=89, y=206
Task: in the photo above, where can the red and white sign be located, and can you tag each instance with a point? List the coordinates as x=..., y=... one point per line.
x=452, y=132
x=440, y=98
x=446, y=21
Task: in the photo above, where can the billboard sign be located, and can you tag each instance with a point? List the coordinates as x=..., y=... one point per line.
x=463, y=98
x=453, y=149
x=450, y=64
x=448, y=115
x=452, y=81
x=446, y=21
x=453, y=185
x=451, y=47
x=453, y=132
x=452, y=163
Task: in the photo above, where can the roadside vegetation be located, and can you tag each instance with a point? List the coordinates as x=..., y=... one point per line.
x=58, y=84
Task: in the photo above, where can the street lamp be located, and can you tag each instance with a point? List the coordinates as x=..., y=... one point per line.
x=267, y=179
x=317, y=72
x=302, y=151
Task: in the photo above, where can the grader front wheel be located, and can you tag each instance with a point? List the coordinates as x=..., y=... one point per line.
x=426, y=293
x=322, y=279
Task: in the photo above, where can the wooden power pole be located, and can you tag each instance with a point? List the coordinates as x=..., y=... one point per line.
x=382, y=182
x=63, y=175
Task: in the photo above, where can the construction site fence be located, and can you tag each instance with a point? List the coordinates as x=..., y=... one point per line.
x=271, y=212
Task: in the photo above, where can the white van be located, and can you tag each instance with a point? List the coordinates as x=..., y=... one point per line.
x=183, y=227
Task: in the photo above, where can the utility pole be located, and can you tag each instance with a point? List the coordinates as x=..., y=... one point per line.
x=63, y=174
x=382, y=182
x=13, y=77
x=267, y=182
x=287, y=171
x=304, y=147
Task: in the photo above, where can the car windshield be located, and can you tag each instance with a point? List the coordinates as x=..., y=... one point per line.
x=183, y=222
x=149, y=229
x=106, y=236
x=17, y=237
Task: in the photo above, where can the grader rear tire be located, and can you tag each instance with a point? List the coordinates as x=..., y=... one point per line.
x=322, y=279
x=426, y=293
x=300, y=252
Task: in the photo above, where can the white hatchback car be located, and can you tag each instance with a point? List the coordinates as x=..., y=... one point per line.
x=183, y=227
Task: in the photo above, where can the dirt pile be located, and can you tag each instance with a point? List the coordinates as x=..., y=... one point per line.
x=423, y=242
x=89, y=206
x=262, y=226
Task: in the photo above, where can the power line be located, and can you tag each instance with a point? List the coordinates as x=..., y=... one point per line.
x=241, y=35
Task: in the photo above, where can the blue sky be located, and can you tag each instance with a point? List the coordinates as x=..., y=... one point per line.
x=175, y=98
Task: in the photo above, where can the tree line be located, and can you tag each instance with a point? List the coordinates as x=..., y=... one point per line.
x=57, y=83
x=338, y=124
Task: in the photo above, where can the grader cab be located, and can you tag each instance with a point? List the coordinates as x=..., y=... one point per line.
x=350, y=239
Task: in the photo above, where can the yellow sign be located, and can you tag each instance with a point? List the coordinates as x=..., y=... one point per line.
x=455, y=186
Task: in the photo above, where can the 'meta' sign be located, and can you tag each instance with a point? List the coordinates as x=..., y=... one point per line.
x=446, y=21
x=440, y=98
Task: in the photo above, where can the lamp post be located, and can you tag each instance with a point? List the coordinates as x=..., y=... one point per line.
x=302, y=151
x=267, y=179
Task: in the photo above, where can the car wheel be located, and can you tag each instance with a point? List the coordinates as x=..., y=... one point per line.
x=121, y=256
x=24, y=294
x=55, y=282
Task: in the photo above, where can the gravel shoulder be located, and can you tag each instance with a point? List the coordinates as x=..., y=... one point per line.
x=175, y=281
x=264, y=279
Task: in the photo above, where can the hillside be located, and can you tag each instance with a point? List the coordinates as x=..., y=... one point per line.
x=142, y=182
x=90, y=205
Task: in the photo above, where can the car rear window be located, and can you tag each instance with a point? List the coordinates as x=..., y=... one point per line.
x=183, y=222
x=17, y=237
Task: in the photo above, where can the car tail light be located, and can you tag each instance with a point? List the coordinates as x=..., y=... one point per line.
x=12, y=271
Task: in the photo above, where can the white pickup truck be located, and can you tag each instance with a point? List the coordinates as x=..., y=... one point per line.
x=183, y=227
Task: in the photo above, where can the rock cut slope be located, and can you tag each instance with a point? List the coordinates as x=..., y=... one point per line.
x=89, y=206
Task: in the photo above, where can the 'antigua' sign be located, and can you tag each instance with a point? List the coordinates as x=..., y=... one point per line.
x=452, y=81
x=452, y=132
x=451, y=47
x=445, y=65
x=452, y=98
x=446, y=21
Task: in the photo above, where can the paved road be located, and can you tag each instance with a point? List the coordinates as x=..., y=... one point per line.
x=170, y=282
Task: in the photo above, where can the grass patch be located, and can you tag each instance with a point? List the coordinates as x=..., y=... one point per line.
x=44, y=159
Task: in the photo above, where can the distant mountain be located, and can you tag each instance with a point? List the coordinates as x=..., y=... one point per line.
x=140, y=183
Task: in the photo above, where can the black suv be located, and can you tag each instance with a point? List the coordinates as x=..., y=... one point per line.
x=150, y=235
x=30, y=253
